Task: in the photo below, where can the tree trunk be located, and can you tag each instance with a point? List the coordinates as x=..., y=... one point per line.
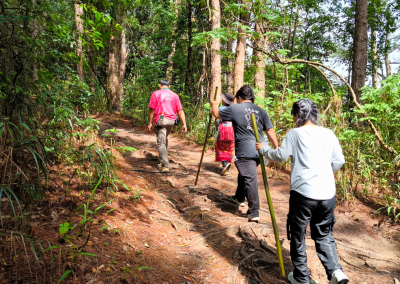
x=79, y=28
x=387, y=61
x=229, y=73
x=215, y=50
x=122, y=64
x=294, y=31
x=259, y=78
x=241, y=50
x=168, y=74
x=91, y=73
x=374, y=60
x=189, y=54
x=113, y=74
x=360, y=47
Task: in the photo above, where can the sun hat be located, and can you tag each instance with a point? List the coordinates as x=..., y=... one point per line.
x=228, y=98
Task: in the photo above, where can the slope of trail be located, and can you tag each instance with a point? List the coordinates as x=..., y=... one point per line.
x=191, y=234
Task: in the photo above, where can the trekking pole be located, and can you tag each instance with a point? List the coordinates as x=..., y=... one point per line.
x=271, y=209
x=205, y=141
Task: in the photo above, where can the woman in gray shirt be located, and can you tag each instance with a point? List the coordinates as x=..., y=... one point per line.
x=316, y=154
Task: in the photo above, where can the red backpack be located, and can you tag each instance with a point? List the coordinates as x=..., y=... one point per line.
x=226, y=132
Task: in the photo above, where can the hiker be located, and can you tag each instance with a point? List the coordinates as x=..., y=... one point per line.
x=316, y=154
x=163, y=106
x=247, y=159
x=225, y=142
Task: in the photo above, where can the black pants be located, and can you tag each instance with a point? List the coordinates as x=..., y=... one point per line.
x=248, y=184
x=320, y=215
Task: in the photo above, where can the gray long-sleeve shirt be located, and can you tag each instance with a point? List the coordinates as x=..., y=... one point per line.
x=316, y=154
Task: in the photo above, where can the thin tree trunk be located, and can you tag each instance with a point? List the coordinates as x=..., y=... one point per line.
x=360, y=47
x=189, y=54
x=387, y=61
x=122, y=65
x=91, y=74
x=114, y=58
x=215, y=49
x=229, y=73
x=294, y=32
x=79, y=28
x=259, y=78
x=374, y=61
x=241, y=50
x=173, y=45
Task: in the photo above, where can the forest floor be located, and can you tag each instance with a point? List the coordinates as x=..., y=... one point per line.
x=193, y=234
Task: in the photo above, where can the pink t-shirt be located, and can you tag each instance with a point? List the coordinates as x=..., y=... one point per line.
x=165, y=101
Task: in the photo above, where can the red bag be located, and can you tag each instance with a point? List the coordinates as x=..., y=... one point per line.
x=226, y=132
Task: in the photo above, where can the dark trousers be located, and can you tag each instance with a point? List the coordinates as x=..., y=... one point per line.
x=248, y=185
x=320, y=215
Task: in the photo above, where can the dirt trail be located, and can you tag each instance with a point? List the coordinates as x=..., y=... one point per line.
x=193, y=234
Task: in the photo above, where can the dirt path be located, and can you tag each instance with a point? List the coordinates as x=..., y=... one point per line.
x=193, y=234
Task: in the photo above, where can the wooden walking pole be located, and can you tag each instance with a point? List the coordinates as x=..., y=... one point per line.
x=205, y=141
x=271, y=209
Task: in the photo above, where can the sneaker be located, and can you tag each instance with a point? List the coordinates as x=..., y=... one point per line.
x=253, y=219
x=293, y=281
x=225, y=169
x=233, y=199
x=338, y=277
x=164, y=170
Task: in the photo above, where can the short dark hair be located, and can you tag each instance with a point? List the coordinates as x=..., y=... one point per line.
x=164, y=82
x=246, y=93
x=306, y=109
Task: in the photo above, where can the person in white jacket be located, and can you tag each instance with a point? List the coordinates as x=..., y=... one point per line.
x=316, y=154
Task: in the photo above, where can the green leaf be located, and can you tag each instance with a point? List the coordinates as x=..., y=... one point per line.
x=66, y=273
x=146, y=245
x=89, y=254
x=25, y=126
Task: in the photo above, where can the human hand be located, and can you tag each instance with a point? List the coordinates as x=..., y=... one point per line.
x=259, y=146
x=184, y=128
x=150, y=127
x=213, y=103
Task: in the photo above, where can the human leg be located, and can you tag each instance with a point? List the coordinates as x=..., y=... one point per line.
x=162, y=129
x=322, y=221
x=299, y=216
x=240, y=195
x=249, y=185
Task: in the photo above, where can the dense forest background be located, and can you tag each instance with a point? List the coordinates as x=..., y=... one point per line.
x=62, y=61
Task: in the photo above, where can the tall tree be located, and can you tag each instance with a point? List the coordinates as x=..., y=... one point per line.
x=259, y=78
x=215, y=48
x=79, y=29
x=113, y=74
x=122, y=64
x=229, y=73
x=172, y=53
x=241, y=48
x=360, y=47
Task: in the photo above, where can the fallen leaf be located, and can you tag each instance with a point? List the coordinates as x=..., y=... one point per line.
x=89, y=243
x=94, y=270
x=4, y=199
x=146, y=245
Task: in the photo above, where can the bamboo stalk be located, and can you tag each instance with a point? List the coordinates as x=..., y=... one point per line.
x=205, y=141
x=271, y=209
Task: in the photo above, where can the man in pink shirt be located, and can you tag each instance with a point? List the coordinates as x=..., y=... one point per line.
x=163, y=106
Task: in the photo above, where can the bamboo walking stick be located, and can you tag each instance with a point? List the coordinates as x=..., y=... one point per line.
x=205, y=141
x=271, y=209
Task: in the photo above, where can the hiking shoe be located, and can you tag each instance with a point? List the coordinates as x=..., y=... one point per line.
x=338, y=277
x=294, y=281
x=253, y=219
x=225, y=169
x=234, y=200
x=164, y=170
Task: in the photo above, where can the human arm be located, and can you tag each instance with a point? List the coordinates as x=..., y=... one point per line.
x=182, y=116
x=151, y=118
x=272, y=137
x=337, y=156
x=214, y=109
x=276, y=155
